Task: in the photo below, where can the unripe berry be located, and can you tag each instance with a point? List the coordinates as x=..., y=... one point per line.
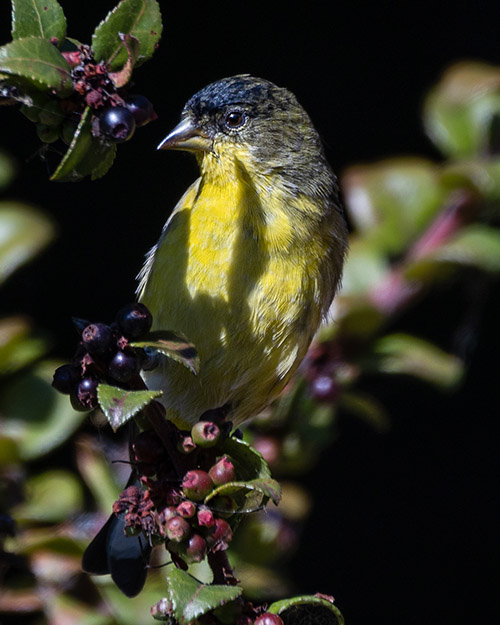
x=185, y=445
x=195, y=550
x=269, y=619
x=123, y=366
x=220, y=535
x=222, y=471
x=177, y=529
x=97, y=338
x=205, y=433
x=205, y=517
x=197, y=484
x=186, y=509
x=134, y=320
x=66, y=378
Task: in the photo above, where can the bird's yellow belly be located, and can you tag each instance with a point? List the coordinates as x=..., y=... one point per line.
x=248, y=310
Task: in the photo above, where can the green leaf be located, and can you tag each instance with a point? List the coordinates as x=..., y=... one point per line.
x=39, y=62
x=248, y=463
x=366, y=408
x=392, y=201
x=191, y=599
x=9, y=452
x=50, y=497
x=120, y=405
x=172, y=345
x=308, y=603
x=250, y=496
x=86, y=155
x=38, y=18
x=18, y=347
x=409, y=355
x=35, y=415
x=459, y=110
x=475, y=246
x=24, y=232
x=139, y=18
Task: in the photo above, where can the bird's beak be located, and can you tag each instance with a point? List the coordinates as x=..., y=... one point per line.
x=187, y=136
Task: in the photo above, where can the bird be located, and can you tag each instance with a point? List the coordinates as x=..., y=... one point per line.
x=247, y=264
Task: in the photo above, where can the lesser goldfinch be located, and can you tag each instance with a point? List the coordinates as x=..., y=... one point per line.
x=246, y=266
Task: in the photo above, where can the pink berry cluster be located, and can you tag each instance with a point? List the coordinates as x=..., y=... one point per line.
x=173, y=511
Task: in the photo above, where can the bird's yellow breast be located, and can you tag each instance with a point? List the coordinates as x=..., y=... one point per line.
x=240, y=275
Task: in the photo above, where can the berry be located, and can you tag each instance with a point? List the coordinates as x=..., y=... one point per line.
x=123, y=366
x=219, y=535
x=141, y=108
x=205, y=517
x=195, y=550
x=47, y=134
x=177, y=529
x=324, y=388
x=205, y=434
x=97, y=338
x=65, y=379
x=185, y=445
x=186, y=509
x=134, y=320
x=117, y=124
x=85, y=397
x=222, y=471
x=197, y=484
x=268, y=618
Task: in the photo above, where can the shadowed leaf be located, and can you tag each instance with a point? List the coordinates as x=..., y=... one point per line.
x=172, y=345
x=120, y=405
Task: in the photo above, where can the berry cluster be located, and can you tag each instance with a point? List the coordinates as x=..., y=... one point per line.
x=104, y=354
x=171, y=510
x=116, y=114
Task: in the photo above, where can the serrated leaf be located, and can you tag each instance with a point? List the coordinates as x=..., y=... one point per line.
x=172, y=345
x=191, y=599
x=139, y=18
x=409, y=355
x=120, y=405
x=24, y=232
x=314, y=601
x=248, y=463
x=38, y=18
x=86, y=155
x=39, y=62
x=255, y=493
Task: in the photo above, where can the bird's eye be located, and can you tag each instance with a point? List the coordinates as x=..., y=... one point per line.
x=235, y=119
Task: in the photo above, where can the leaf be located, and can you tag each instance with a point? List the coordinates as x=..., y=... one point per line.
x=139, y=18
x=24, y=232
x=191, y=599
x=248, y=463
x=38, y=61
x=50, y=497
x=172, y=345
x=390, y=202
x=121, y=78
x=18, y=347
x=38, y=18
x=460, y=109
x=314, y=601
x=86, y=155
x=251, y=495
x=35, y=415
x=405, y=354
x=120, y=405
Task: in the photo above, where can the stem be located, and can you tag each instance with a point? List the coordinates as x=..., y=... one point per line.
x=221, y=568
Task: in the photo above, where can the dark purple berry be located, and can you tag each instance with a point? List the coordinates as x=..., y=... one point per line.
x=205, y=434
x=324, y=388
x=197, y=484
x=148, y=448
x=85, y=397
x=195, y=550
x=134, y=320
x=141, y=108
x=116, y=124
x=123, y=366
x=268, y=618
x=97, y=338
x=66, y=378
x=222, y=471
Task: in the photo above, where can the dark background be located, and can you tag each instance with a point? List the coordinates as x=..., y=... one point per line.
x=405, y=525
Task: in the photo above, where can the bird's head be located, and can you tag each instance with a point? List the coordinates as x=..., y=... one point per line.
x=254, y=121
